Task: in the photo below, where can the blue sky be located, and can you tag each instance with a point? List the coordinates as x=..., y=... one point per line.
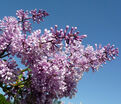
x=101, y=21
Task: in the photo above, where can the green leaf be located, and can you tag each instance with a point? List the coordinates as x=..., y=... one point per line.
x=29, y=69
x=21, y=86
x=3, y=100
x=56, y=101
x=20, y=76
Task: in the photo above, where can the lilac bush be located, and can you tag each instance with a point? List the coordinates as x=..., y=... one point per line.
x=54, y=61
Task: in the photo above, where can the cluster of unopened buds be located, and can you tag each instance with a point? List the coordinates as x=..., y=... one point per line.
x=54, y=61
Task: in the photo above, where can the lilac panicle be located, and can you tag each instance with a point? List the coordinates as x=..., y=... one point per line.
x=55, y=60
x=24, y=18
x=8, y=71
x=58, y=59
x=38, y=16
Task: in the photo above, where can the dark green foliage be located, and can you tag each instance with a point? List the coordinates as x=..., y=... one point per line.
x=3, y=100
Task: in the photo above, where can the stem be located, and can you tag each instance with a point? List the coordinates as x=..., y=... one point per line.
x=5, y=55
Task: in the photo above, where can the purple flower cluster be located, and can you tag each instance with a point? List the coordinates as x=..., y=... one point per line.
x=8, y=71
x=55, y=60
x=24, y=18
